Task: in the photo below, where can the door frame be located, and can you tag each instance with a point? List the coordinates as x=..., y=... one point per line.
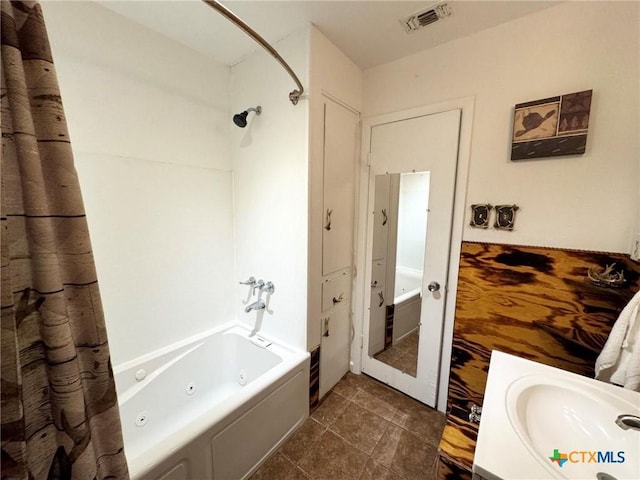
x=466, y=105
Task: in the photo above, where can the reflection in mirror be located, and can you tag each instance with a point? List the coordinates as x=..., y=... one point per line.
x=399, y=233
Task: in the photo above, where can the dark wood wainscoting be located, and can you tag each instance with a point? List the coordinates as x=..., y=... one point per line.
x=533, y=302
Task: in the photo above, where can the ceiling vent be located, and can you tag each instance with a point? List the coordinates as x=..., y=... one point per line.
x=426, y=17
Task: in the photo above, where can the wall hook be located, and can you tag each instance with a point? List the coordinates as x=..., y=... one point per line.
x=327, y=227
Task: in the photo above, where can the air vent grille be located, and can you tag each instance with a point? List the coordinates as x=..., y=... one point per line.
x=426, y=17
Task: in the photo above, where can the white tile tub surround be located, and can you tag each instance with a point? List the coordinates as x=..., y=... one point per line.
x=226, y=405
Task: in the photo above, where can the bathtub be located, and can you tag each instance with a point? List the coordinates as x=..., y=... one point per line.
x=407, y=300
x=408, y=283
x=211, y=407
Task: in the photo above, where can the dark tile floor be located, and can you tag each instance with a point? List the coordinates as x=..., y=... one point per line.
x=403, y=355
x=362, y=430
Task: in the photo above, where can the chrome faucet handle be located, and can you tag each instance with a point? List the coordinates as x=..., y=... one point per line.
x=258, y=285
x=251, y=281
x=268, y=287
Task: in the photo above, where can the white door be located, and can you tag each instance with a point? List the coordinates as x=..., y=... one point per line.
x=427, y=143
x=340, y=142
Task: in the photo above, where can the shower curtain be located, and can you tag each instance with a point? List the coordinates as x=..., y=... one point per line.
x=59, y=413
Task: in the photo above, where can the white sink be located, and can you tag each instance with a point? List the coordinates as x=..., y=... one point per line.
x=540, y=422
x=569, y=414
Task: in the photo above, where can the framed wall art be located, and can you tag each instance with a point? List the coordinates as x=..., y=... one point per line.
x=551, y=127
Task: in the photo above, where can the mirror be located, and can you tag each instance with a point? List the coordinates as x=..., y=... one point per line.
x=397, y=264
x=398, y=147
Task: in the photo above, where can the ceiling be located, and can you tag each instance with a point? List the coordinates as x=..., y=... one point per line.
x=367, y=31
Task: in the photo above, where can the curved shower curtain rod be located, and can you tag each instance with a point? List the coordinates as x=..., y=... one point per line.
x=294, y=96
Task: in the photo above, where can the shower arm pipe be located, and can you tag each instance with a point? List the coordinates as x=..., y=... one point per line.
x=294, y=96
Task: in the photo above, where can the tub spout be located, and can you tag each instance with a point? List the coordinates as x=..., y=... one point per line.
x=257, y=305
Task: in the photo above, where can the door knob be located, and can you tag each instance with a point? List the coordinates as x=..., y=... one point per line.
x=433, y=287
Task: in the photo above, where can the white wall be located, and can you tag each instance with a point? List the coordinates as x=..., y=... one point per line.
x=270, y=164
x=585, y=202
x=412, y=220
x=149, y=124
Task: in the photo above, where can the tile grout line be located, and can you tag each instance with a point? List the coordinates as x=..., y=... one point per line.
x=350, y=401
x=368, y=456
x=389, y=424
x=296, y=466
x=404, y=428
x=307, y=450
x=390, y=407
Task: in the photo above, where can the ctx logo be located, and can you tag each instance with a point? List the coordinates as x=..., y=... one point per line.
x=581, y=456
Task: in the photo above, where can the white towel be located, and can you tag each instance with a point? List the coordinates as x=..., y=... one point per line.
x=619, y=361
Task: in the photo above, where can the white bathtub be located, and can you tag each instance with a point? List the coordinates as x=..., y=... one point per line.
x=407, y=300
x=408, y=283
x=214, y=406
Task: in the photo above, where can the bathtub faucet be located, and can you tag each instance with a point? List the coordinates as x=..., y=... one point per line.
x=257, y=305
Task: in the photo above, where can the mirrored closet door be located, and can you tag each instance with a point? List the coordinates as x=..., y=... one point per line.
x=411, y=193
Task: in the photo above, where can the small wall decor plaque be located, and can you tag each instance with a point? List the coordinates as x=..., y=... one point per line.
x=480, y=215
x=505, y=217
x=551, y=127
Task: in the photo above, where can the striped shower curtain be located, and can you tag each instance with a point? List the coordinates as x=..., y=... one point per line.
x=60, y=416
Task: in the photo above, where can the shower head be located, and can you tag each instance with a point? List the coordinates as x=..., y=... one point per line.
x=240, y=119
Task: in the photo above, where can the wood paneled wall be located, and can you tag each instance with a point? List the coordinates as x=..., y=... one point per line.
x=314, y=379
x=533, y=302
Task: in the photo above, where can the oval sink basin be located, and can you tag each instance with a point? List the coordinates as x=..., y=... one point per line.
x=569, y=427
